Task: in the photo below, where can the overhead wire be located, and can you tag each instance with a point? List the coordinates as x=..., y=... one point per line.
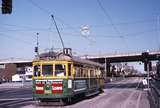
x=94, y=35
x=124, y=23
x=111, y=21
x=42, y=9
x=49, y=13
x=59, y=19
x=132, y=35
x=17, y=39
x=21, y=30
x=123, y=37
x=28, y=28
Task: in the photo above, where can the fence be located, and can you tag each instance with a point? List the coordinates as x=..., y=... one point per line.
x=154, y=93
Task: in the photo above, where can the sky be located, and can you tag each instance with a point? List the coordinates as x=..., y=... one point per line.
x=116, y=26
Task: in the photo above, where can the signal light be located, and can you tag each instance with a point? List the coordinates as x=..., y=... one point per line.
x=6, y=6
x=150, y=66
x=145, y=56
x=146, y=67
x=36, y=49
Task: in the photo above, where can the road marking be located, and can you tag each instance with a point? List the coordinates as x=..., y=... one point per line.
x=128, y=99
x=130, y=96
x=21, y=103
x=10, y=102
x=138, y=83
x=138, y=100
x=14, y=102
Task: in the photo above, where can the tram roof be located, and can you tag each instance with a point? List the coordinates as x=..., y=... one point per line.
x=55, y=56
x=79, y=60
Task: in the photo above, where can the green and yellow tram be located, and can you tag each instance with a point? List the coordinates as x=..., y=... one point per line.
x=62, y=77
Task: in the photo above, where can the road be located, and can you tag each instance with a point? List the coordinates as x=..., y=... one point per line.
x=127, y=93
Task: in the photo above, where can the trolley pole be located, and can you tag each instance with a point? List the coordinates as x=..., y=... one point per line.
x=59, y=34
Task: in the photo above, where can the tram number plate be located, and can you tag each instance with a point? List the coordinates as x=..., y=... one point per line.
x=47, y=91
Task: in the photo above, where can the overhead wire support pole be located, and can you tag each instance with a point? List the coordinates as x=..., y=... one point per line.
x=36, y=50
x=58, y=30
x=148, y=75
x=37, y=45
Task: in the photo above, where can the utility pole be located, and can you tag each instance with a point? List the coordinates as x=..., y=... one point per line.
x=148, y=70
x=147, y=63
x=37, y=47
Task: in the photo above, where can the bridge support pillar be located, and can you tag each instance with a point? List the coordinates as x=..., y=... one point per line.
x=107, y=68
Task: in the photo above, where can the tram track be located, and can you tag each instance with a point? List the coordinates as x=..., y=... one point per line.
x=9, y=103
x=123, y=94
x=125, y=84
x=107, y=98
x=133, y=96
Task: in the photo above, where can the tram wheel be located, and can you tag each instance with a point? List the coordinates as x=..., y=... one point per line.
x=69, y=100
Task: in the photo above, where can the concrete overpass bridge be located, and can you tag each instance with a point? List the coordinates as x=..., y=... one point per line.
x=126, y=57
x=104, y=59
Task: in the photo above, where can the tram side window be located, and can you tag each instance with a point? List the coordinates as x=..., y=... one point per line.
x=86, y=72
x=47, y=70
x=92, y=73
x=77, y=71
x=98, y=72
x=60, y=70
x=69, y=69
x=37, y=70
x=81, y=71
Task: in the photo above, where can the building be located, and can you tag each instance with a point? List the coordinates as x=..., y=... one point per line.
x=15, y=67
x=6, y=71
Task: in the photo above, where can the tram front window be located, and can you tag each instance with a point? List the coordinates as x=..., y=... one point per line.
x=60, y=70
x=47, y=70
x=37, y=70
